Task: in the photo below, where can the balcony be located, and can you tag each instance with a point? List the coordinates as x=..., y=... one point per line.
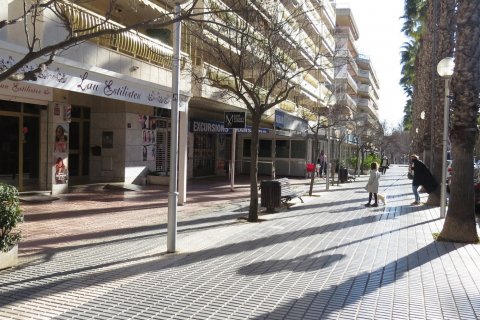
x=364, y=89
x=345, y=80
x=347, y=100
x=364, y=74
x=130, y=43
x=329, y=11
x=368, y=106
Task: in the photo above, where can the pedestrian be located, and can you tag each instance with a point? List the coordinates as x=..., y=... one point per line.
x=320, y=167
x=384, y=165
x=321, y=164
x=372, y=185
x=421, y=177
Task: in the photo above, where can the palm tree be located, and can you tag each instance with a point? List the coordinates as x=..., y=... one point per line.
x=443, y=12
x=412, y=27
x=460, y=221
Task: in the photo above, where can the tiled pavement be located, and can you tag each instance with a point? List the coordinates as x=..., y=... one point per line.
x=329, y=258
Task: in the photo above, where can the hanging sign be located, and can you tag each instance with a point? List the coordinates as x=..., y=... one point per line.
x=234, y=120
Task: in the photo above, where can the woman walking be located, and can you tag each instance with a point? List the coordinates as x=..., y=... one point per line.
x=372, y=185
x=421, y=177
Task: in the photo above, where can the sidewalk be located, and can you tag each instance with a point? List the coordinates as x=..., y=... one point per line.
x=329, y=258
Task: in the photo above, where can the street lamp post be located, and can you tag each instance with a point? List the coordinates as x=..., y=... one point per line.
x=445, y=70
x=173, y=184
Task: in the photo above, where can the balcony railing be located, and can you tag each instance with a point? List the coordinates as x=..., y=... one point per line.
x=364, y=88
x=130, y=42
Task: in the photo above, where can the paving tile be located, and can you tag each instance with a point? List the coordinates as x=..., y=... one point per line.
x=329, y=258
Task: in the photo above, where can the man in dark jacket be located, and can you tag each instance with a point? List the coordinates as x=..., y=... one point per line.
x=421, y=177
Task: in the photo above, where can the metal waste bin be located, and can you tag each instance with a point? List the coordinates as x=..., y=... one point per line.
x=343, y=175
x=271, y=192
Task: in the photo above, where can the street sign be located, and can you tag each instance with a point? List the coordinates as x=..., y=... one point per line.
x=234, y=119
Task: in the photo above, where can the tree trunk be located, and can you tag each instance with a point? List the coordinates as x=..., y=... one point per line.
x=316, y=153
x=445, y=44
x=460, y=221
x=253, y=209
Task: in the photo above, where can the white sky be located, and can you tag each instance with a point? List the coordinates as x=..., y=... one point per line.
x=380, y=38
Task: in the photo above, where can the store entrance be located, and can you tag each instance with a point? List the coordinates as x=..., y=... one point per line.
x=204, y=154
x=79, y=146
x=20, y=145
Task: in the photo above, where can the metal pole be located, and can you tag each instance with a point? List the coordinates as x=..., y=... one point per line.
x=173, y=192
x=232, y=162
x=443, y=191
x=327, y=176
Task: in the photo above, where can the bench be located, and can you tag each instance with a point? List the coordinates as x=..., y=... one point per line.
x=287, y=192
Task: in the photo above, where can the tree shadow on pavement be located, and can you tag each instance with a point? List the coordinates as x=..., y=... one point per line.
x=333, y=298
x=305, y=263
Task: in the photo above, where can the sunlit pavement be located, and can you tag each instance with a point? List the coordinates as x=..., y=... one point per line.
x=328, y=258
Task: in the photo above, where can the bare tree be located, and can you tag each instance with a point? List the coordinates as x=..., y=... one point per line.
x=363, y=131
x=321, y=119
x=398, y=144
x=258, y=61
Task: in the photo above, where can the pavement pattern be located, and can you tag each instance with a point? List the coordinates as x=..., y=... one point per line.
x=328, y=258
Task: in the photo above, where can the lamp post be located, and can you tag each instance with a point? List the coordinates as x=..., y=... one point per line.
x=173, y=184
x=445, y=70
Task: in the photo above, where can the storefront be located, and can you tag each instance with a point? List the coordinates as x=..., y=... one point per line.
x=76, y=125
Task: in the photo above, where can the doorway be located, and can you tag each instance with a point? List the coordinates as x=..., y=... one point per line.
x=203, y=154
x=20, y=144
x=79, y=146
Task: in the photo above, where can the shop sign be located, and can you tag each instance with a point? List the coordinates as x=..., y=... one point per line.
x=95, y=81
x=234, y=119
x=286, y=121
x=218, y=127
x=26, y=90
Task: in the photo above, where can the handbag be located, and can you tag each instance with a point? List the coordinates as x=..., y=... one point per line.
x=410, y=175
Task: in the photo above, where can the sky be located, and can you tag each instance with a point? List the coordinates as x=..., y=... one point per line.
x=380, y=38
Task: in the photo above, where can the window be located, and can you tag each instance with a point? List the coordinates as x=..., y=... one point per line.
x=265, y=148
x=299, y=149
x=283, y=149
x=246, y=147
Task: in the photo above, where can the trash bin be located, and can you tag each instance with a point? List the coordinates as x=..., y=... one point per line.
x=343, y=175
x=271, y=192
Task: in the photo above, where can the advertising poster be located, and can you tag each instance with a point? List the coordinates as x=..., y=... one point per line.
x=60, y=154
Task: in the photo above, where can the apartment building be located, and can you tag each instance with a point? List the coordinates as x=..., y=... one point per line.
x=356, y=83
x=101, y=112
x=284, y=146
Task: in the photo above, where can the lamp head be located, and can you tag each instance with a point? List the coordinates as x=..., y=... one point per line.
x=445, y=67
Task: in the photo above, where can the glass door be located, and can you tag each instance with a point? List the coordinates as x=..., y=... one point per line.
x=9, y=148
x=204, y=154
x=20, y=144
x=30, y=139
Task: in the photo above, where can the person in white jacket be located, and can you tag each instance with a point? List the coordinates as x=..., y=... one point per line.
x=372, y=185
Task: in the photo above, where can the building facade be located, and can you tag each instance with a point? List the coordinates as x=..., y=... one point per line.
x=101, y=112
x=356, y=83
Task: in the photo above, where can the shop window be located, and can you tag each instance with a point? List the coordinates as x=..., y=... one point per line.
x=10, y=106
x=246, y=147
x=265, y=148
x=163, y=147
x=31, y=108
x=282, y=149
x=76, y=112
x=299, y=149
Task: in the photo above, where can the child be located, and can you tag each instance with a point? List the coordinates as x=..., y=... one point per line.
x=372, y=185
